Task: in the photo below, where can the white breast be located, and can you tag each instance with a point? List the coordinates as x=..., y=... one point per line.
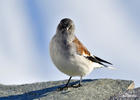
x=75, y=65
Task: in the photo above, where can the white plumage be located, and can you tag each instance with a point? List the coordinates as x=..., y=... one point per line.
x=69, y=55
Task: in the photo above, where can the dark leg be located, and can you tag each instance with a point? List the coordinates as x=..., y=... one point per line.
x=66, y=86
x=68, y=81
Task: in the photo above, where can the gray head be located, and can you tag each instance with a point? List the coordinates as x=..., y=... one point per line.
x=66, y=26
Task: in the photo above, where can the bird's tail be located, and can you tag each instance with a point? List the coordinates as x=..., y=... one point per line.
x=110, y=67
x=101, y=62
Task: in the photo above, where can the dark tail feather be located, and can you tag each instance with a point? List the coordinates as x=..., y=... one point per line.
x=101, y=60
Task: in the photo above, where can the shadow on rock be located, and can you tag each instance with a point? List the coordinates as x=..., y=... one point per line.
x=38, y=93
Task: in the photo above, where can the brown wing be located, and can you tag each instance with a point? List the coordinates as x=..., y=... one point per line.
x=80, y=48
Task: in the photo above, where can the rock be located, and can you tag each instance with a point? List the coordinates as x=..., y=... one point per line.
x=97, y=89
x=132, y=94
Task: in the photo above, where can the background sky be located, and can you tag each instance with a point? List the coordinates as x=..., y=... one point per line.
x=109, y=29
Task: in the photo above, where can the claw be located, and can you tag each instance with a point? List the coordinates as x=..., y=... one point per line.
x=79, y=85
x=63, y=88
x=76, y=86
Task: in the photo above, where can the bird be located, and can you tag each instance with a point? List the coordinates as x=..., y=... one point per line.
x=70, y=56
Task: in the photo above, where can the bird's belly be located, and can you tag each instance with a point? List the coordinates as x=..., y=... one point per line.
x=72, y=66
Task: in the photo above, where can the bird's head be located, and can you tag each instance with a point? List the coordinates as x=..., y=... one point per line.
x=66, y=26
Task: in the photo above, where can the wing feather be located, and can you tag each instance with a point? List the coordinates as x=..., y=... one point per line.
x=82, y=50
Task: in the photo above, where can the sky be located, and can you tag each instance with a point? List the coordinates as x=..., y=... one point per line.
x=109, y=29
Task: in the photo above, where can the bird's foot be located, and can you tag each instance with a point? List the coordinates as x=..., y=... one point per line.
x=69, y=86
x=63, y=88
x=76, y=85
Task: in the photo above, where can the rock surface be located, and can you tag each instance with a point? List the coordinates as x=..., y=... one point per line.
x=132, y=94
x=97, y=89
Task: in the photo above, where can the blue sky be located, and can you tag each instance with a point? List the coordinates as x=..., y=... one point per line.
x=109, y=29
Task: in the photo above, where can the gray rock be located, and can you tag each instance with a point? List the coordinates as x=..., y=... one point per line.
x=131, y=94
x=97, y=89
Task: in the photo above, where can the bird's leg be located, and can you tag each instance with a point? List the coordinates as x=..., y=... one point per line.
x=79, y=84
x=66, y=86
x=80, y=81
x=68, y=81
